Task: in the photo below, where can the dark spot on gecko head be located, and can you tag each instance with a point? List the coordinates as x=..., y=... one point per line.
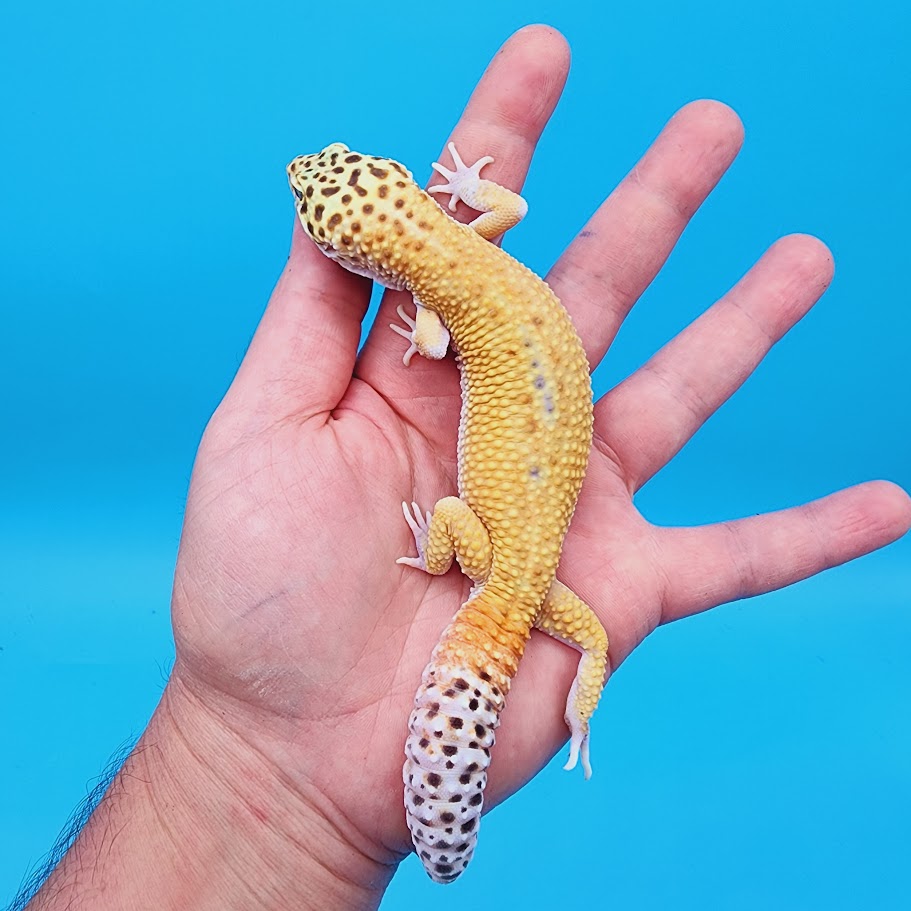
x=450, y=749
x=465, y=778
x=417, y=800
x=353, y=177
x=456, y=722
x=480, y=730
x=434, y=780
x=382, y=191
x=461, y=684
x=473, y=704
x=351, y=159
x=330, y=191
x=484, y=675
x=423, y=743
x=466, y=827
x=450, y=764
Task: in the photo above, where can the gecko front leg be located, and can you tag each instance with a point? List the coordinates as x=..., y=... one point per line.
x=502, y=209
x=426, y=333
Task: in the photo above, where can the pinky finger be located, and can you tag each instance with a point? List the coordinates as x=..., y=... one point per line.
x=714, y=564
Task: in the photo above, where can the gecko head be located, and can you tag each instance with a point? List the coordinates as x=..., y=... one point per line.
x=348, y=204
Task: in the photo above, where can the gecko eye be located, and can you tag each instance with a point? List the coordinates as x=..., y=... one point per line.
x=298, y=193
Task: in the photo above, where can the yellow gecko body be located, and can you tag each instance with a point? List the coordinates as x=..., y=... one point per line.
x=524, y=440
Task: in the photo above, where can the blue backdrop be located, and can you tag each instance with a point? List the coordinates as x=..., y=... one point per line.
x=755, y=757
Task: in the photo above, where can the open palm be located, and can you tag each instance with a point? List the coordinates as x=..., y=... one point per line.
x=293, y=622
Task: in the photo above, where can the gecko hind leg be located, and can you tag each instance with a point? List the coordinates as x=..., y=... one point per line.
x=453, y=530
x=566, y=617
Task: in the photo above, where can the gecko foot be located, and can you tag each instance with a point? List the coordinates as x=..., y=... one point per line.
x=463, y=181
x=578, y=749
x=406, y=334
x=419, y=525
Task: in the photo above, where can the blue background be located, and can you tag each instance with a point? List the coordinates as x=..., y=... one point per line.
x=755, y=757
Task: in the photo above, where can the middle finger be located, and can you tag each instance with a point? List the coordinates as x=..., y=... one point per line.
x=627, y=241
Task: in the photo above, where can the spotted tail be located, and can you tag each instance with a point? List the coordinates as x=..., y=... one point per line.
x=451, y=731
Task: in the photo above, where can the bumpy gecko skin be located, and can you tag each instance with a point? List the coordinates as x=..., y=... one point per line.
x=524, y=439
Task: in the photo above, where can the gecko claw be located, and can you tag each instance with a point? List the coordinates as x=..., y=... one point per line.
x=406, y=333
x=419, y=525
x=463, y=182
x=578, y=749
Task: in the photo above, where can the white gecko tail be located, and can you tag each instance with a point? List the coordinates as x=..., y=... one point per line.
x=456, y=712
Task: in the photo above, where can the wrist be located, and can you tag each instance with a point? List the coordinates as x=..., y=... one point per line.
x=197, y=818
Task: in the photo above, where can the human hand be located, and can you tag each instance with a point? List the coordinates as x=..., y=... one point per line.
x=300, y=643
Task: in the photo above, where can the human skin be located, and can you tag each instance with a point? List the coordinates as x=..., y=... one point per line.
x=270, y=774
